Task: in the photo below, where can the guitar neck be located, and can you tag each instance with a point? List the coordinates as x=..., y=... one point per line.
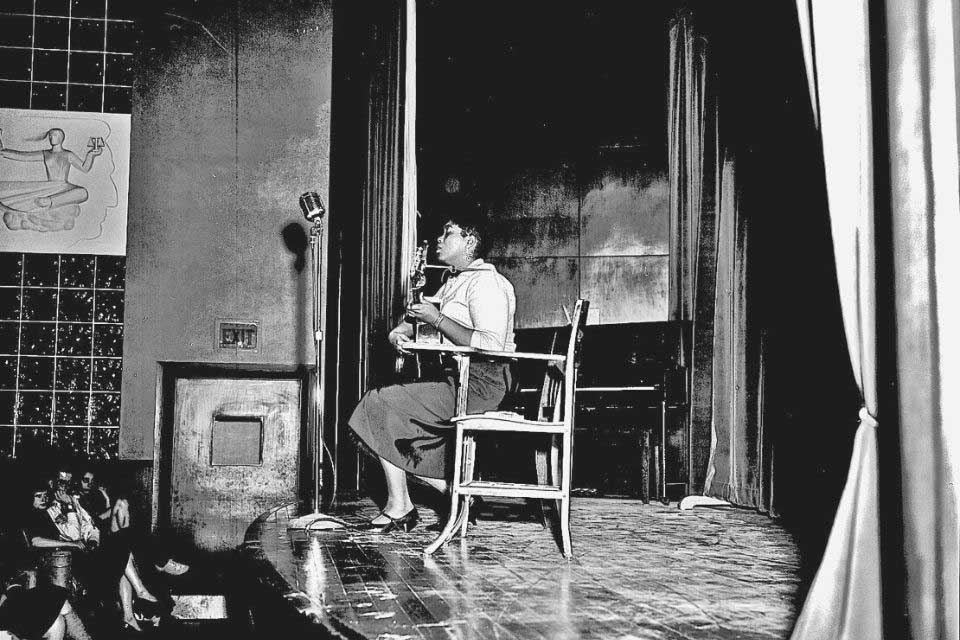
x=416, y=297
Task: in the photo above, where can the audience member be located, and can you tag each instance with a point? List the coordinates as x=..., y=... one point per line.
x=105, y=566
x=43, y=611
x=112, y=516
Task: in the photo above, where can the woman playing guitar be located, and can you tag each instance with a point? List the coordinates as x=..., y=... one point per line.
x=406, y=426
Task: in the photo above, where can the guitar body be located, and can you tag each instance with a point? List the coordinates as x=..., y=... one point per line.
x=417, y=366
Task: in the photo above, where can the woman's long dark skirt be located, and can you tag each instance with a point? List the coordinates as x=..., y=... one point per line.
x=409, y=424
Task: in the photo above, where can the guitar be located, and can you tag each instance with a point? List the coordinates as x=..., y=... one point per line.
x=418, y=280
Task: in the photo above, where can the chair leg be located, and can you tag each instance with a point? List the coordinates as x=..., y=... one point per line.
x=544, y=477
x=565, y=526
x=447, y=533
x=565, y=480
x=469, y=455
x=556, y=477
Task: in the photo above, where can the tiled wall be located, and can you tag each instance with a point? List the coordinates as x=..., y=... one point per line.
x=67, y=54
x=61, y=331
x=61, y=340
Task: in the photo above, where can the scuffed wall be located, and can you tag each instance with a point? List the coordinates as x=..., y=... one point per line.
x=595, y=227
x=230, y=125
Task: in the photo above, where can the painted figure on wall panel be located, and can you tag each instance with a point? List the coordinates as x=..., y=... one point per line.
x=63, y=181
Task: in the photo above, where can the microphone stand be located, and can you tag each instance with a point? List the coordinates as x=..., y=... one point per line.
x=317, y=520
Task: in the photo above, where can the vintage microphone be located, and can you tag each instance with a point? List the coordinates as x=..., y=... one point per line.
x=313, y=210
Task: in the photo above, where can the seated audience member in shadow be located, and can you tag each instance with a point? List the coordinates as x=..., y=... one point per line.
x=107, y=569
x=113, y=515
x=34, y=612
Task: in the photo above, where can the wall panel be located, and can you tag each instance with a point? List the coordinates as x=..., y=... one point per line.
x=237, y=128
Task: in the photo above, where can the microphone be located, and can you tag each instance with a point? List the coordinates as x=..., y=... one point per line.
x=311, y=206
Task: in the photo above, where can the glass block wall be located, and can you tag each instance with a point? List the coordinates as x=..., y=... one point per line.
x=67, y=54
x=61, y=342
x=61, y=316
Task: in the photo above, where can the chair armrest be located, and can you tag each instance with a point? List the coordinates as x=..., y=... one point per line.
x=457, y=349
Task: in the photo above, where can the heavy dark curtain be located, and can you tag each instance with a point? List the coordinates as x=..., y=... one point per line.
x=385, y=243
x=372, y=208
x=691, y=144
x=687, y=129
x=709, y=241
x=733, y=472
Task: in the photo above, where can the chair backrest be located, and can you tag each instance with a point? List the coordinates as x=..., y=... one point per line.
x=557, y=379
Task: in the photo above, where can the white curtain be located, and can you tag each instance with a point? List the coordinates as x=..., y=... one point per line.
x=408, y=242
x=844, y=600
x=945, y=156
x=389, y=184
x=922, y=94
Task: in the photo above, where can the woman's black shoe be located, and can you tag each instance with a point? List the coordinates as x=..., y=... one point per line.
x=406, y=522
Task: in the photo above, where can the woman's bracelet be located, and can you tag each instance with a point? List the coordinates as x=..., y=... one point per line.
x=440, y=319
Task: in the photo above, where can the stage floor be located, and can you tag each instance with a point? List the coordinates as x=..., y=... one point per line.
x=639, y=571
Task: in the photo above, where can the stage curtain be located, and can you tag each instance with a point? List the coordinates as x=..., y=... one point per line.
x=694, y=177
x=708, y=283
x=388, y=194
x=733, y=471
x=685, y=142
x=408, y=240
x=922, y=155
x=922, y=85
x=844, y=600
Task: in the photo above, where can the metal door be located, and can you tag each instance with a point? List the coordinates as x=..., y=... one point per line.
x=234, y=455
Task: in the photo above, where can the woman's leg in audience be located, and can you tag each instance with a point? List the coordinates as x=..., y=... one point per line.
x=131, y=574
x=120, y=515
x=74, y=625
x=57, y=630
x=126, y=603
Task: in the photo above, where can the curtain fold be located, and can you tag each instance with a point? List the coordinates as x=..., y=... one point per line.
x=709, y=277
x=733, y=469
x=408, y=240
x=694, y=177
x=922, y=151
x=844, y=600
x=922, y=85
x=685, y=142
x=388, y=198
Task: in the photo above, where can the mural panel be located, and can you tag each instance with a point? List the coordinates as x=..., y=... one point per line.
x=64, y=181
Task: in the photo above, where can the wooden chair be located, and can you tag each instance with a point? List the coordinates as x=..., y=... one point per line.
x=555, y=418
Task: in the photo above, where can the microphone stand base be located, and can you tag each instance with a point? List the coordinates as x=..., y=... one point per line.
x=316, y=522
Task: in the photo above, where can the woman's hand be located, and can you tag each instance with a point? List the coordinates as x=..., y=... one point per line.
x=424, y=312
x=398, y=339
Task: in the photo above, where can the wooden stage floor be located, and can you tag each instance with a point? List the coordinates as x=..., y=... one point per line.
x=639, y=571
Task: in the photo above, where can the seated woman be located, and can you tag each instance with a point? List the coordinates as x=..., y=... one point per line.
x=108, y=568
x=407, y=426
x=43, y=611
x=112, y=516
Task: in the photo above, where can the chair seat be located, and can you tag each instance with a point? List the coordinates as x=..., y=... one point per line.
x=510, y=490
x=506, y=421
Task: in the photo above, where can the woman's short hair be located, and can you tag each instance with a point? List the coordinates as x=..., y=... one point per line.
x=472, y=222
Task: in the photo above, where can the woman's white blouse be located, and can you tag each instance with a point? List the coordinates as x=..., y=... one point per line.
x=483, y=300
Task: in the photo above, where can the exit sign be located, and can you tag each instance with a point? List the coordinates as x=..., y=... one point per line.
x=237, y=335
